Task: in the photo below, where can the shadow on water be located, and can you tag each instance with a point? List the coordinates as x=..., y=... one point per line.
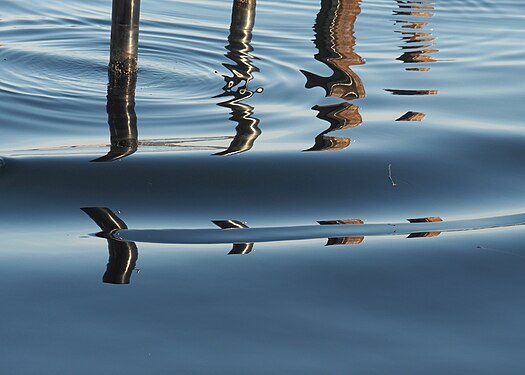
x=335, y=40
x=239, y=51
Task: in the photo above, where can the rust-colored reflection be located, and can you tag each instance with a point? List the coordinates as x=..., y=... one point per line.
x=340, y=116
x=352, y=240
x=431, y=219
x=335, y=41
x=412, y=116
x=242, y=69
x=122, y=255
x=416, y=44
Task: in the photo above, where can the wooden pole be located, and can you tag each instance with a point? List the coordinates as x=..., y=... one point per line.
x=124, y=36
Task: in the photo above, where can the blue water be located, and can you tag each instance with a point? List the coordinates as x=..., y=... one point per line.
x=275, y=114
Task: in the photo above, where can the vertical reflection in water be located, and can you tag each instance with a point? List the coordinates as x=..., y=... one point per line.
x=238, y=248
x=340, y=116
x=122, y=72
x=418, y=45
x=335, y=40
x=239, y=48
x=122, y=118
x=122, y=255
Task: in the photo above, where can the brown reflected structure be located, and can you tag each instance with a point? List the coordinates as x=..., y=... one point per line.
x=335, y=40
x=242, y=69
x=412, y=116
x=418, y=45
x=122, y=118
x=352, y=240
x=340, y=116
x=122, y=255
x=431, y=219
x=417, y=42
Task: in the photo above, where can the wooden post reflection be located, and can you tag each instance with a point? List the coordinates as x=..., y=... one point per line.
x=418, y=46
x=122, y=77
x=122, y=255
x=242, y=69
x=122, y=119
x=335, y=41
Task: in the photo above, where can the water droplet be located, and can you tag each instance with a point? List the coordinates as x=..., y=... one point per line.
x=259, y=90
x=118, y=212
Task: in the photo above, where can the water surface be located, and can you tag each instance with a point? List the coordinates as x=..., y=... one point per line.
x=262, y=115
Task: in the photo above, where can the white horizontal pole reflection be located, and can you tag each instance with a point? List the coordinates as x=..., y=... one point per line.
x=271, y=234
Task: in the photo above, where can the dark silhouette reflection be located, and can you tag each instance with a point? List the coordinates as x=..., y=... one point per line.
x=122, y=118
x=335, y=40
x=242, y=69
x=413, y=92
x=122, y=255
x=122, y=72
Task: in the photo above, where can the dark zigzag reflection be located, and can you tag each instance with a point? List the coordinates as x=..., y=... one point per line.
x=122, y=118
x=239, y=51
x=335, y=41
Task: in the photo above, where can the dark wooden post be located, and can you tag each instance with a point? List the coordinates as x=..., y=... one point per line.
x=124, y=36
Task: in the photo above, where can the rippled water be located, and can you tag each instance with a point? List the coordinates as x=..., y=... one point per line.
x=296, y=133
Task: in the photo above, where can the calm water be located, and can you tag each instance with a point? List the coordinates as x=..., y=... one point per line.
x=279, y=114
